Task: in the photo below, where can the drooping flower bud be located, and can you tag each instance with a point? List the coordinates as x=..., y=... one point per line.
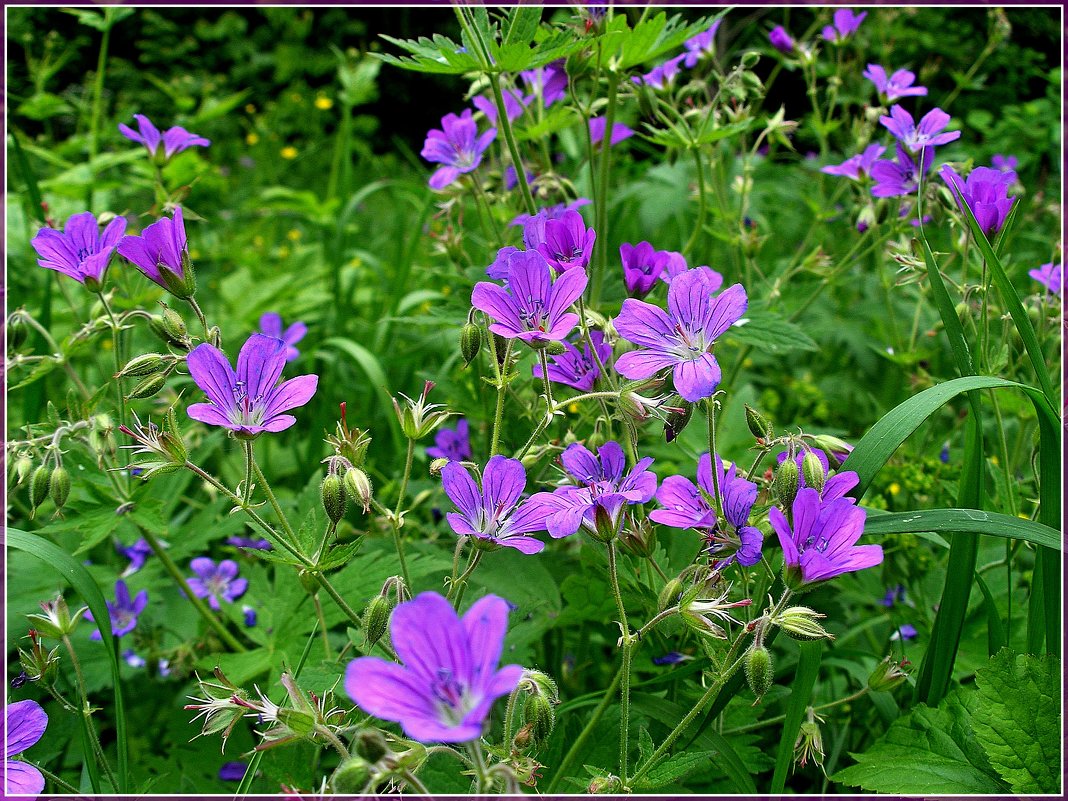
x=679, y=414
x=352, y=777
x=759, y=426
x=39, y=487
x=145, y=364
x=555, y=348
x=538, y=714
x=376, y=619
x=59, y=486
x=800, y=623
x=758, y=670
x=470, y=342
x=784, y=485
x=57, y=620
x=370, y=744
x=669, y=596
x=638, y=538
x=809, y=743
x=170, y=327
x=812, y=470
x=148, y=386
x=358, y=487
x=16, y=332
x=333, y=495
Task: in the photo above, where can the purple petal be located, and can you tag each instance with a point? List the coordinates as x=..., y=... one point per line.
x=697, y=378
x=503, y=481
x=389, y=691
x=462, y=490
x=259, y=366
x=485, y=625
x=212, y=372
x=26, y=723
x=23, y=779
x=428, y=637
x=291, y=394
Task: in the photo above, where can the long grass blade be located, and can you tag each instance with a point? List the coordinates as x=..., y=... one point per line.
x=808, y=667
x=964, y=521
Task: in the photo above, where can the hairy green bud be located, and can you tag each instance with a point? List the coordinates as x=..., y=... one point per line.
x=370, y=744
x=887, y=675
x=758, y=670
x=333, y=495
x=358, y=487
x=148, y=386
x=669, y=596
x=784, y=485
x=59, y=486
x=145, y=364
x=800, y=623
x=759, y=426
x=470, y=342
x=376, y=619
x=812, y=470
x=39, y=487
x=352, y=777
x=680, y=412
x=538, y=714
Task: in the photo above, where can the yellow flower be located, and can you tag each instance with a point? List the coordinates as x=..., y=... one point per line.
x=289, y=152
x=250, y=109
x=994, y=461
x=573, y=408
x=895, y=488
x=283, y=252
x=293, y=234
x=252, y=138
x=323, y=103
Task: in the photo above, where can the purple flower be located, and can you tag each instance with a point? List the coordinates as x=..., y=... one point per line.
x=493, y=514
x=943, y=455
x=498, y=271
x=81, y=252
x=672, y=658
x=926, y=135
x=578, y=368
x=642, y=267
x=450, y=678
x=906, y=632
x=25, y=722
x=857, y=167
x=893, y=179
x=551, y=212
x=896, y=86
x=1004, y=163
x=700, y=45
x=821, y=544
x=895, y=594
x=1050, y=276
x=511, y=178
x=248, y=402
x=677, y=265
x=454, y=445
x=216, y=581
x=250, y=615
x=123, y=612
x=845, y=25
x=174, y=140
x=619, y=131
x=233, y=771
x=458, y=146
x=161, y=252
x=514, y=106
x=533, y=308
x=662, y=76
x=248, y=542
x=136, y=553
x=565, y=242
x=603, y=493
x=986, y=193
x=549, y=81
x=781, y=40
x=131, y=658
x=271, y=325
x=682, y=338
x=687, y=507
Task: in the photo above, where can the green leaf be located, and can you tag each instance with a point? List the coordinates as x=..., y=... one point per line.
x=931, y=751
x=770, y=333
x=963, y=521
x=673, y=769
x=369, y=363
x=808, y=667
x=439, y=55
x=43, y=106
x=1017, y=720
x=78, y=578
x=520, y=25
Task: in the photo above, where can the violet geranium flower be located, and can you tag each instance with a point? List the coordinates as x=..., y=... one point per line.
x=514, y=105
x=173, y=140
x=896, y=86
x=565, y=242
x=642, y=267
x=901, y=177
x=458, y=146
x=619, y=131
x=985, y=191
x=1003, y=162
x=661, y=76
x=248, y=401
x=549, y=81
x=1050, y=276
x=845, y=25
x=493, y=514
x=161, y=253
x=250, y=543
x=858, y=167
x=26, y=722
x=454, y=445
x=533, y=308
x=925, y=135
x=704, y=43
x=551, y=212
x=450, y=677
x=687, y=506
x=137, y=553
x=81, y=252
x=781, y=40
x=578, y=368
x=123, y=612
x=677, y=265
x=271, y=325
x=597, y=503
x=682, y=338
x=216, y=581
x=821, y=544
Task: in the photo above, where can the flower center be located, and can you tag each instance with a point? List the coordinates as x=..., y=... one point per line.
x=532, y=314
x=453, y=701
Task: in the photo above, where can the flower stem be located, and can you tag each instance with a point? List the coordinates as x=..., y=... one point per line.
x=550, y=406
x=501, y=371
x=116, y=354
x=602, y=189
x=661, y=616
x=710, y=407
x=271, y=499
x=461, y=582
x=86, y=713
x=395, y=519
x=509, y=713
x=249, y=460
x=200, y=316
x=418, y=786
x=202, y=609
x=327, y=651
x=479, y=759
x=702, y=208
x=627, y=641
x=584, y=735
x=57, y=781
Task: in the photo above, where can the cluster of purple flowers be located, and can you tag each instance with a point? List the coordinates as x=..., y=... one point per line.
x=696, y=48
x=458, y=147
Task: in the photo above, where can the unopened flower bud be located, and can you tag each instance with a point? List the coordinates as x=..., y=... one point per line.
x=669, y=596
x=352, y=777
x=170, y=327
x=887, y=675
x=376, y=619
x=148, y=386
x=437, y=465
x=16, y=332
x=23, y=467
x=470, y=342
x=418, y=418
x=59, y=486
x=638, y=538
x=784, y=485
x=39, y=487
x=56, y=620
x=555, y=348
x=145, y=364
x=809, y=743
x=370, y=744
x=358, y=487
x=215, y=336
x=605, y=528
x=759, y=426
x=539, y=715
x=679, y=414
x=812, y=470
x=603, y=785
x=801, y=623
x=758, y=670
x=333, y=495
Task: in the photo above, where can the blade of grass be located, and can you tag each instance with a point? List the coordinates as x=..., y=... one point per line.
x=995, y=629
x=964, y=521
x=83, y=584
x=808, y=667
x=1049, y=513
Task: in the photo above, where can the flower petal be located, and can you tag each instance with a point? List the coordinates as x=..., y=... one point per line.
x=23, y=779
x=26, y=723
x=503, y=481
x=462, y=490
x=259, y=366
x=485, y=625
x=428, y=638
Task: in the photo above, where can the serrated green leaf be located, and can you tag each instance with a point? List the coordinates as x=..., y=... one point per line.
x=673, y=769
x=1017, y=720
x=770, y=333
